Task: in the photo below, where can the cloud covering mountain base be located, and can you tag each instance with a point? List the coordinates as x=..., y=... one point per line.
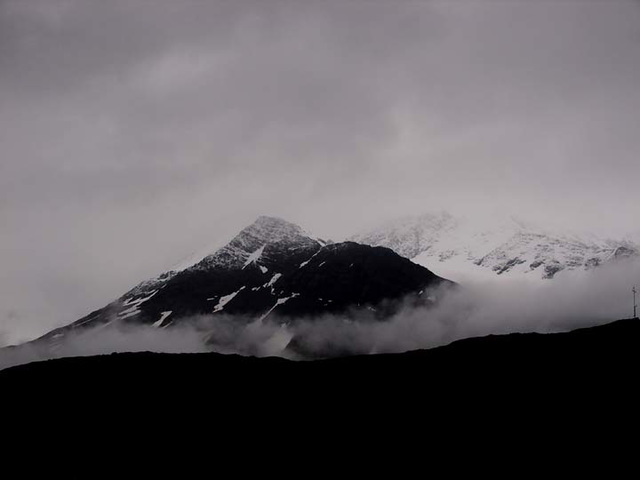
x=571, y=301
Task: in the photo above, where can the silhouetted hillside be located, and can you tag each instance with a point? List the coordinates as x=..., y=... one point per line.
x=571, y=371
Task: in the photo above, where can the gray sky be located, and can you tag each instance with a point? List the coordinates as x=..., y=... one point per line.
x=135, y=131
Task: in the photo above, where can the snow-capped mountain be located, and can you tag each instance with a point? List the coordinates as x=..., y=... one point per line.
x=463, y=249
x=268, y=240
x=272, y=270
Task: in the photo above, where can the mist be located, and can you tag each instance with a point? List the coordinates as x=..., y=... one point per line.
x=572, y=300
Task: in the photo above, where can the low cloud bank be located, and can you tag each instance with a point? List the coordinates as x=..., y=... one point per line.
x=573, y=300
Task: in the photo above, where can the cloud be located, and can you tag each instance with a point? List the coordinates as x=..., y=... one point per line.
x=575, y=300
x=134, y=133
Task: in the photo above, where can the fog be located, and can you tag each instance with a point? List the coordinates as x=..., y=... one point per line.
x=573, y=300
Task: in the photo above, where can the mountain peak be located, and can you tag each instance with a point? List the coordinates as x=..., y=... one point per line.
x=269, y=220
x=273, y=228
x=258, y=243
x=270, y=265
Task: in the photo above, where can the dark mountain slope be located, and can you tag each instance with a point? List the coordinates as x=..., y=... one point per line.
x=271, y=270
x=347, y=274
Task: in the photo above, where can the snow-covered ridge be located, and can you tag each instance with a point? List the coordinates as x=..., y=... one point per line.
x=462, y=249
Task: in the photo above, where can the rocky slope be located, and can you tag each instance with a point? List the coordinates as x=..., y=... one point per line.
x=271, y=271
x=462, y=249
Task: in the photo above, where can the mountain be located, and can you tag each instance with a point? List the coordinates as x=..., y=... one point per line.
x=462, y=249
x=271, y=271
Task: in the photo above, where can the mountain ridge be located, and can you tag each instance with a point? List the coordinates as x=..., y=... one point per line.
x=458, y=248
x=271, y=271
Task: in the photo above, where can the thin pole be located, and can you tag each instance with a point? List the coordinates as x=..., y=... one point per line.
x=635, y=306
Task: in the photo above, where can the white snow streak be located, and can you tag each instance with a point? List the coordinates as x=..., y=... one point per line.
x=139, y=301
x=163, y=316
x=133, y=305
x=280, y=301
x=273, y=280
x=254, y=256
x=226, y=299
x=304, y=264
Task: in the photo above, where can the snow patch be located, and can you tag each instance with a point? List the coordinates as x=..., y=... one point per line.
x=134, y=305
x=304, y=264
x=280, y=301
x=273, y=280
x=139, y=301
x=226, y=299
x=254, y=257
x=163, y=317
x=128, y=313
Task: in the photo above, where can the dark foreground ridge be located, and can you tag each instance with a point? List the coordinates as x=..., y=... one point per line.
x=521, y=396
x=586, y=365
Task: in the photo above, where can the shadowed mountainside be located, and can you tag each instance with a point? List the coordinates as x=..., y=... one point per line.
x=271, y=269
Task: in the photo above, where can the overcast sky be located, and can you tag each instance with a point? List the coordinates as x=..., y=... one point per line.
x=135, y=131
